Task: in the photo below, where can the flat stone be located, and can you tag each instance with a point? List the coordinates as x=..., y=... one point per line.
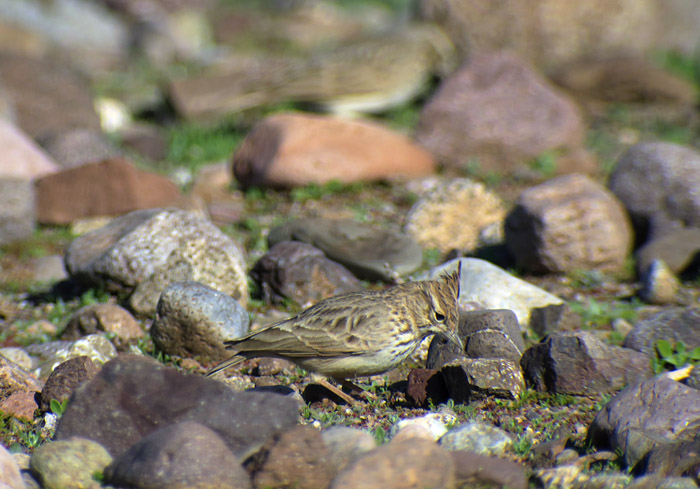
x=370, y=253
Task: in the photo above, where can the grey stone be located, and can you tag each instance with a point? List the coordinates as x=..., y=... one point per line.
x=195, y=320
x=474, y=470
x=674, y=325
x=477, y=378
x=132, y=396
x=178, y=456
x=69, y=463
x=144, y=251
x=49, y=269
x=568, y=223
x=491, y=287
x=345, y=445
x=657, y=182
x=17, y=216
x=301, y=272
x=79, y=146
x=370, y=253
x=678, y=248
x=579, y=363
x=476, y=437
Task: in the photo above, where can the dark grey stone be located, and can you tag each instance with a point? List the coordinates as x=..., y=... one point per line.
x=676, y=324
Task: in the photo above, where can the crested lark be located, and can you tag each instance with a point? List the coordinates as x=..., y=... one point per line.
x=359, y=333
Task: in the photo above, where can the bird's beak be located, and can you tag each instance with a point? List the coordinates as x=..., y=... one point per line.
x=454, y=338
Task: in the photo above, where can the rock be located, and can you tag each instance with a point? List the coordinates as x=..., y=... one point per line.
x=552, y=34
x=675, y=325
x=568, y=223
x=9, y=471
x=477, y=378
x=498, y=111
x=655, y=481
x=677, y=248
x=144, y=251
x=148, y=140
x=428, y=427
x=107, y=188
x=78, y=147
x=132, y=396
x=295, y=458
x=655, y=412
x=69, y=463
x=65, y=378
x=492, y=287
x=479, y=438
x=657, y=183
x=474, y=470
x=95, y=346
x=15, y=379
x=578, y=363
x=486, y=334
x=21, y=405
x=671, y=458
x=49, y=269
x=369, y=252
x=180, y=455
x=426, y=385
x=21, y=157
x=287, y=150
x=103, y=318
x=624, y=80
x=301, y=272
x=344, y=445
x=49, y=96
x=406, y=464
x=17, y=220
x=659, y=284
x=17, y=355
x=195, y=320
x=453, y=215
x=575, y=475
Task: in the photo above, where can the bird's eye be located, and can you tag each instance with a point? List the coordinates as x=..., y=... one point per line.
x=439, y=317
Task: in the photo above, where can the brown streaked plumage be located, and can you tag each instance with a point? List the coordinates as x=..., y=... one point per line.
x=359, y=333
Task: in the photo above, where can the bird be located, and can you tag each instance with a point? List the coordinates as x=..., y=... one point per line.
x=358, y=333
x=366, y=76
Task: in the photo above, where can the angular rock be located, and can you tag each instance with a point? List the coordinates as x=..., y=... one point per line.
x=301, y=272
x=479, y=438
x=369, y=252
x=679, y=249
x=677, y=458
x=15, y=379
x=132, y=396
x=578, y=363
x=17, y=220
x=49, y=96
x=297, y=457
x=178, y=456
x=171, y=245
x=675, y=324
x=69, y=463
x=492, y=287
x=9, y=471
x=95, y=346
x=453, y=215
x=107, y=188
x=78, y=147
x=288, y=150
x=477, y=378
x=21, y=157
x=500, y=112
x=426, y=385
x=406, y=464
x=655, y=412
x=344, y=445
x=195, y=320
x=657, y=183
x=21, y=405
x=566, y=224
x=65, y=378
x=474, y=470
x=103, y=318
x=486, y=334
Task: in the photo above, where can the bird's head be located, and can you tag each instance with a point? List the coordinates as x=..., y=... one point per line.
x=443, y=313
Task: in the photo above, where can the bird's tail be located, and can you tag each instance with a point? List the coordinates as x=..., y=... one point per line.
x=229, y=362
